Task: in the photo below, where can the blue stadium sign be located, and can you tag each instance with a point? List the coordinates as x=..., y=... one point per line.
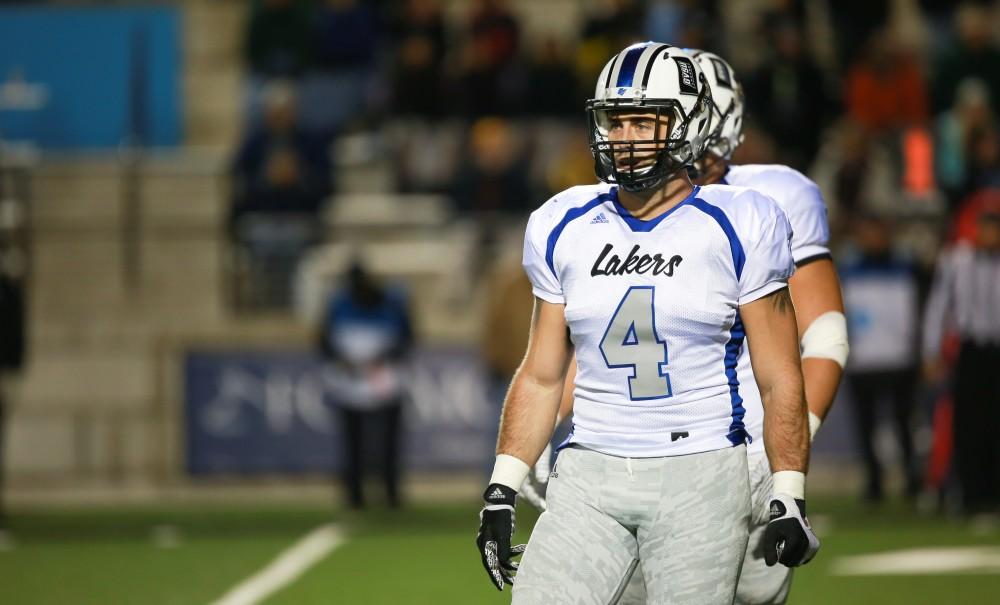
x=275, y=411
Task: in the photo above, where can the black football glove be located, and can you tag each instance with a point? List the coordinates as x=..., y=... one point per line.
x=496, y=527
x=788, y=538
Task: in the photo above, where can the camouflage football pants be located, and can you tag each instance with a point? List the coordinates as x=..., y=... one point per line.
x=685, y=517
x=758, y=583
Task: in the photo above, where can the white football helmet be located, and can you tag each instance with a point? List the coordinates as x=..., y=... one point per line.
x=727, y=104
x=657, y=79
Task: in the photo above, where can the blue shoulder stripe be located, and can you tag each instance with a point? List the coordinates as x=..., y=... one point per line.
x=571, y=215
x=739, y=258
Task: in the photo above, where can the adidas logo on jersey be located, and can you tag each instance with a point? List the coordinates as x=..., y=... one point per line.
x=600, y=218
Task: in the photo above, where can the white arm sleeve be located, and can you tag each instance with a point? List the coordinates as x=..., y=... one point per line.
x=544, y=282
x=768, y=255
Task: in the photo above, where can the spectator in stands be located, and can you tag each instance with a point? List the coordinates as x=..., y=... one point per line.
x=490, y=81
x=493, y=175
x=279, y=168
x=281, y=177
x=418, y=61
x=571, y=165
x=857, y=174
x=854, y=22
x=983, y=151
x=498, y=29
x=970, y=113
x=788, y=97
x=339, y=88
x=964, y=301
x=609, y=26
x=881, y=295
x=366, y=337
x=618, y=21
x=973, y=55
x=277, y=45
x=688, y=22
x=551, y=81
x=885, y=90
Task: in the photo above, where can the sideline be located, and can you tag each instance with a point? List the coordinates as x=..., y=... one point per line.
x=286, y=567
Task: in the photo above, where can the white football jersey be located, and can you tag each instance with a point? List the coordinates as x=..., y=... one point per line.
x=653, y=311
x=803, y=204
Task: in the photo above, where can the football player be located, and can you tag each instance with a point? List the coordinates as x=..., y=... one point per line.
x=819, y=311
x=653, y=283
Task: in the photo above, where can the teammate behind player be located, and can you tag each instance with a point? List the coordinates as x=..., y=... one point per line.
x=653, y=282
x=816, y=296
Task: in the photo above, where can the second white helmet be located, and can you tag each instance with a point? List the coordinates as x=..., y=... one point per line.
x=728, y=103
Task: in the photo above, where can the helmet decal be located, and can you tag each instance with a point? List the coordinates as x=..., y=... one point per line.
x=685, y=76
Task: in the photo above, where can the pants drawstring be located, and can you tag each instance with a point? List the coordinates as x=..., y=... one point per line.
x=628, y=467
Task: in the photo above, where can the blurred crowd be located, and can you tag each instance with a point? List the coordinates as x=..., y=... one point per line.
x=891, y=107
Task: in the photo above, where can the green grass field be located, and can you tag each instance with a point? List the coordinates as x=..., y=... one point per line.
x=424, y=554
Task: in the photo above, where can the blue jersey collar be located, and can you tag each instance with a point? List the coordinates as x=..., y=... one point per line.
x=637, y=224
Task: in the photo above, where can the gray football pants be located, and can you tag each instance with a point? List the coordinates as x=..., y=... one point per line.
x=685, y=517
x=758, y=584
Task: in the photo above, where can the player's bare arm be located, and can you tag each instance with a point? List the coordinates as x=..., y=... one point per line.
x=815, y=292
x=526, y=425
x=772, y=335
x=566, y=404
x=529, y=412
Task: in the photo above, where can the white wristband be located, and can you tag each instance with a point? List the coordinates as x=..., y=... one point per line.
x=509, y=471
x=792, y=483
x=814, y=422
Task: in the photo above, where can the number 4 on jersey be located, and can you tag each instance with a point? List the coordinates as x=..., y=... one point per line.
x=630, y=341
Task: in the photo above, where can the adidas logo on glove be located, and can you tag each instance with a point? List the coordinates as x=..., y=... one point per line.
x=777, y=509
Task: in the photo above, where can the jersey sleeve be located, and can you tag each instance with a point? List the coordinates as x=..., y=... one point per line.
x=544, y=282
x=810, y=229
x=768, y=251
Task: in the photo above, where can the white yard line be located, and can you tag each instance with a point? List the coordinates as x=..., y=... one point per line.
x=286, y=567
x=921, y=561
